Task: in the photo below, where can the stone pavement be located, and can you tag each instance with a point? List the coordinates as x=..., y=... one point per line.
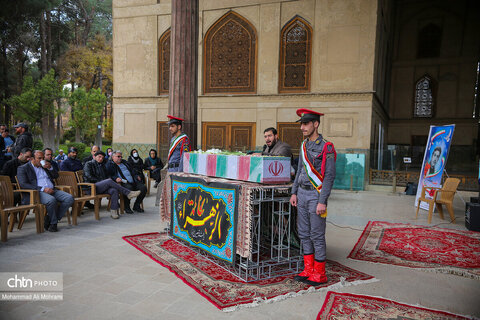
x=106, y=278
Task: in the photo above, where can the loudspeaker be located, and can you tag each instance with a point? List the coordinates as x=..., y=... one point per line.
x=472, y=216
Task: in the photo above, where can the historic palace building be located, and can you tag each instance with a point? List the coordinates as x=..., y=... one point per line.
x=382, y=72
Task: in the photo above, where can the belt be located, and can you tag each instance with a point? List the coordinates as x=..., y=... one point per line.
x=173, y=165
x=307, y=187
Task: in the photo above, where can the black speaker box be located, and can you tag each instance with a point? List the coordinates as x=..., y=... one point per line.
x=472, y=216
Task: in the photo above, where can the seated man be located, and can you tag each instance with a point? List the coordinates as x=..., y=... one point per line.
x=274, y=146
x=94, y=149
x=49, y=158
x=33, y=176
x=10, y=169
x=94, y=171
x=119, y=170
x=11, y=166
x=71, y=163
x=61, y=156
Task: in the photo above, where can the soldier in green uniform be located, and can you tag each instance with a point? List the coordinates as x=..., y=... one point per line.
x=310, y=192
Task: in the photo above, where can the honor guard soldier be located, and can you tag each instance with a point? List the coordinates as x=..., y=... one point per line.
x=310, y=192
x=179, y=144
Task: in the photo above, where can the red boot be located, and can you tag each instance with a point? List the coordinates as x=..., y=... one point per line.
x=308, y=261
x=318, y=276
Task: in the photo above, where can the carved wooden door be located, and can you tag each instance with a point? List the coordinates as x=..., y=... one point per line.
x=228, y=136
x=163, y=140
x=290, y=133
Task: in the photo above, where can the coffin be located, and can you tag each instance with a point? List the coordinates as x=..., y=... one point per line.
x=260, y=169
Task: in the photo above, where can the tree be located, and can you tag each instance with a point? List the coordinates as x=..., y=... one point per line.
x=38, y=103
x=87, y=107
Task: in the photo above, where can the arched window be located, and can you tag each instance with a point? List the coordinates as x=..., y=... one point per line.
x=230, y=48
x=423, y=98
x=164, y=62
x=295, y=56
x=429, y=41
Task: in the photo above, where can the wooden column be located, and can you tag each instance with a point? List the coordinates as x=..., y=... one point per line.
x=184, y=65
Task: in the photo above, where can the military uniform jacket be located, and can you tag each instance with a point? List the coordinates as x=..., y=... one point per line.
x=175, y=162
x=315, y=155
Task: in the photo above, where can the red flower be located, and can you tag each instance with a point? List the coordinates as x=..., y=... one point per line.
x=228, y=252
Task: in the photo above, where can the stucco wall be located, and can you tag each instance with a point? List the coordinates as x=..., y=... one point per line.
x=343, y=55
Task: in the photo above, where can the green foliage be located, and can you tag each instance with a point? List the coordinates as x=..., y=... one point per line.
x=87, y=107
x=108, y=133
x=79, y=145
x=68, y=135
x=37, y=145
x=83, y=155
x=37, y=100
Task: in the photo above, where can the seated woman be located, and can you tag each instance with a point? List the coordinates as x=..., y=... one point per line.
x=154, y=165
x=108, y=155
x=136, y=163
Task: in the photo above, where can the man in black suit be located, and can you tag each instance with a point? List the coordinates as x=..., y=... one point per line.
x=120, y=171
x=33, y=175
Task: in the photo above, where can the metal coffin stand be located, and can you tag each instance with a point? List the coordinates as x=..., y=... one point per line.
x=272, y=253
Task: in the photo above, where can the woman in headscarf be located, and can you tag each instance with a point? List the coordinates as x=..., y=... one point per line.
x=136, y=163
x=108, y=154
x=154, y=164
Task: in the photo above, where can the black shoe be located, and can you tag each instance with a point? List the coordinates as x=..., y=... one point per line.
x=128, y=210
x=138, y=209
x=89, y=205
x=156, y=184
x=46, y=222
x=53, y=228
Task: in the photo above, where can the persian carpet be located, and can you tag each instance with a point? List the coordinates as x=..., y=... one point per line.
x=444, y=250
x=353, y=306
x=220, y=287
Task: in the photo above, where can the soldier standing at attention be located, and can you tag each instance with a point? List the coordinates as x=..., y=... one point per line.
x=179, y=144
x=310, y=192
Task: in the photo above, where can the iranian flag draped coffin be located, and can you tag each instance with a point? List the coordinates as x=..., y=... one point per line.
x=259, y=169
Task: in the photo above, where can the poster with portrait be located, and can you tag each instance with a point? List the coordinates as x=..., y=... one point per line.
x=434, y=161
x=204, y=215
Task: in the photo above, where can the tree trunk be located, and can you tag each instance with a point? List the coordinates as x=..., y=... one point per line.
x=4, y=118
x=48, y=27
x=98, y=137
x=43, y=45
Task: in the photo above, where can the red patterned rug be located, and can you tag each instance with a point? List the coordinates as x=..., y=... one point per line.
x=223, y=289
x=445, y=250
x=340, y=306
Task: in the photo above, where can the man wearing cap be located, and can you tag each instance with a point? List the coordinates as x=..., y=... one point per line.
x=178, y=145
x=24, y=139
x=95, y=171
x=72, y=163
x=61, y=156
x=310, y=192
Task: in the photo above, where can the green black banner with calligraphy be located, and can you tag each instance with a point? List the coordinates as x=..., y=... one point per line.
x=205, y=215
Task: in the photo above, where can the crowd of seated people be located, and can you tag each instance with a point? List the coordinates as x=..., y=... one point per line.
x=110, y=172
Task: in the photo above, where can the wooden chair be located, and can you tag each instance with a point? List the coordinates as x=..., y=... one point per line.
x=447, y=192
x=148, y=180
x=79, y=175
x=7, y=208
x=68, y=178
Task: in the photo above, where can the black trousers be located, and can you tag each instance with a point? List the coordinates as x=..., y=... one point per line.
x=136, y=185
